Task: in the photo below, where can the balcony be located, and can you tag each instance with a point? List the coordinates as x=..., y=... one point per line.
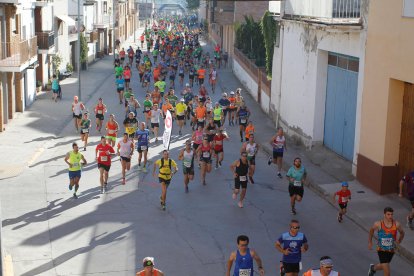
x=103, y=21
x=16, y=56
x=329, y=12
x=45, y=40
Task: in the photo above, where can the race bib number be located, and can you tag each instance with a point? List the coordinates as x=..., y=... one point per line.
x=345, y=199
x=180, y=113
x=297, y=183
x=279, y=146
x=76, y=164
x=387, y=242
x=201, y=120
x=144, y=147
x=147, y=108
x=85, y=130
x=206, y=154
x=104, y=158
x=100, y=111
x=187, y=164
x=111, y=131
x=242, y=178
x=245, y=272
x=243, y=121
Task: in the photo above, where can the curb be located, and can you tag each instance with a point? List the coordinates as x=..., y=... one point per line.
x=322, y=193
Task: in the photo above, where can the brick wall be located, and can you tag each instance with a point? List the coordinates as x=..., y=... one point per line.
x=254, y=8
x=227, y=15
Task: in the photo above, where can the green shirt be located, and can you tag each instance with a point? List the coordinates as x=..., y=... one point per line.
x=147, y=105
x=128, y=94
x=173, y=99
x=118, y=71
x=161, y=85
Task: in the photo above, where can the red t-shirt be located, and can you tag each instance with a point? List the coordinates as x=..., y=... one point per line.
x=344, y=196
x=218, y=140
x=103, y=157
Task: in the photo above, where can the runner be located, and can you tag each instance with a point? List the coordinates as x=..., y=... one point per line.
x=240, y=169
x=213, y=79
x=141, y=72
x=100, y=110
x=172, y=98
x=217, y=114
x=181, y=108
x=232, y=108
x=161, y=87
x=292, y=244
x=197, y=139
x=249, y=130
x=167, y=168
x=344, y=196
x=201, y=113
x=130, y=55
x=73, y=159
x=220, y=136
x=251, y=147
x=408, y=180
x=120, y=86
x=127, y=75
x=125, y=151
x=85, y=125
x=243, y=259
x=278, y=143
x=156, y=95
x=148, y=263
x=142, y=135
x=155, y=120
x=242, y=114
x=167, y=106
x=187, y=155
x=77, y=108
x=387, y=239
x=205, y=151
x=325, y=268
x=225, y=104
x=132, y=106
x=209, y=108
x=201, y=74
x=297, y=177
x=130, y=124
x=210, y=130
x=147, y=108
x=103, y=153
x=55, y=88
x=122, y=56
x=112, y=128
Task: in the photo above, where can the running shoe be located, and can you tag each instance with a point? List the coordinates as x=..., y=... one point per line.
x=409, y=222
x=204, y=183
x=240, y=204
x=179, y=133
x=371, y=270
x=163, y=207
x=241, y=140
x=75, y=196
x=199, y=165
x=339, y=218
x=216, y=167
x=280, y=175
x=293, y=211
x=269, y=161
x=84, y=149
x=70, y=187
x=123, y=181
x=219, y=163
x=144, y=169
x=186, y=189
x=251, y=179
x=139, y=167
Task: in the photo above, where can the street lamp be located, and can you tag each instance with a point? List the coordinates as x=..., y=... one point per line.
x=79, y=53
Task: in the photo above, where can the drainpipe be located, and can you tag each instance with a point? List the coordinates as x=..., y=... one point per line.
x=281, y=74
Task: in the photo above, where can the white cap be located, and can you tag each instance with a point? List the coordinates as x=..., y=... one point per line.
x=187, y=84
x=231, y=92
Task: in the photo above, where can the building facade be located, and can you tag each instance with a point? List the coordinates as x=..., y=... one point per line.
x=387, y=113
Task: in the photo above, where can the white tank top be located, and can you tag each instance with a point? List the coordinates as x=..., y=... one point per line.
x=77, y=108
x=125, y=148
x=188, y=157
x=250, y=149
x=316, y=272
x=279, y=142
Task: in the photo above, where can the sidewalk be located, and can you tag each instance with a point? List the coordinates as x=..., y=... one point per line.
x=326, y=170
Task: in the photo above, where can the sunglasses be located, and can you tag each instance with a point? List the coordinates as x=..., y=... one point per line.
x=243, y=244
x=295, y=227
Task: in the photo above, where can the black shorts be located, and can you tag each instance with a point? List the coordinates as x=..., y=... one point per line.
x=206, y=160
x=191, y=77
x=242, y=124
x=77, y=116
x=155, y=125
x=180, y=117
x=200, y=124
x=119, y=90
x=225, y=111
x=277, y=154
x=210, y=137
x=189, y=171
x=201, y=80
x=412, y=202
x=385, y=257
x=218, y=123
x=105, y=167
x=127, y=80
x=238, y=183
x=122, y=58
x=291, y=267
x=181, y=75
x=195, y=146
x=343, y=205
x=100, y=117
x=126, y=159
x=140, y=150
x=217, y=151
x=251, y=160
x=295, y=190
x=162, y=180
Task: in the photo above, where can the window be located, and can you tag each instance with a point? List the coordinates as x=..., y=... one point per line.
x=408, y=8
x=105, y=7
x=345, y=62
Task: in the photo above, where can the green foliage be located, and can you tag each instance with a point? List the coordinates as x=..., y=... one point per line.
x=69, y=67
x=193, y=4
x=83, y=49
x=249, y=39
x=56, y=62
x=269, y=31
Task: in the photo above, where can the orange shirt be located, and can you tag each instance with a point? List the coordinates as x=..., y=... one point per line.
x=166, y=106
x=201, y=112
x=232, y=102
x=201, y=73
x=249, y=130
x=156, y=96
x=156, y=73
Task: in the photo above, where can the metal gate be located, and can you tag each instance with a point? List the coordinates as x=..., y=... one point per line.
x=406, y=156
x=340, y=106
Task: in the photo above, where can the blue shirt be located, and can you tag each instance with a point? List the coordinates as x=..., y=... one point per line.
x=224, y=102
x=294, y=243
x=120, y=83
x=142, y=136
x=298, y=175
x=243, y=264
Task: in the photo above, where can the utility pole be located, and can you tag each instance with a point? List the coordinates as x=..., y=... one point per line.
x=79, y=53
x=113, y=28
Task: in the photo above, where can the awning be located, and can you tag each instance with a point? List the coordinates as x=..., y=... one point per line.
x=68, y=20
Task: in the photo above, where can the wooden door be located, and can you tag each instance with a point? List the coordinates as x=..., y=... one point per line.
x=406, y=155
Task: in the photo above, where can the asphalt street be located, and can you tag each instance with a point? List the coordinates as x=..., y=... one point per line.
x=47, y=232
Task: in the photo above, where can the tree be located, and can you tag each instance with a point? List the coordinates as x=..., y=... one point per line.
x=269, y=31
x=83, y=49
x=193, y=4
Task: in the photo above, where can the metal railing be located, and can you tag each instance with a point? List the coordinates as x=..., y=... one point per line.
x=323, y=9
x=45, y=40
x=14, y=54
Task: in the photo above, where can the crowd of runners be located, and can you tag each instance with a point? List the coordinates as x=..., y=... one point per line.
x=178, y=76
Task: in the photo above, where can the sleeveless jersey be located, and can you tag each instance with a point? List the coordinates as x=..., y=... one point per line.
x=188, y=159
x=100, y=109
x=74, y=159
x=198, y=137
x=387, y=237
x=143, y=136
x=217, y=113
x=77, y=108
x=205, y=151
x=243, y=115
x=124, y=148
x=251, y=149
x=242, y=170
x=243, y=264
x=111, y=128
x=279, y=144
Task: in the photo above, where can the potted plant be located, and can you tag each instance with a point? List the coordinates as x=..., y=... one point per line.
x=69, y=68
x=49, y=85
x=39, y=86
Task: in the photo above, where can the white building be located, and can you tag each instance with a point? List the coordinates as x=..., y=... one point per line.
x=317, y=73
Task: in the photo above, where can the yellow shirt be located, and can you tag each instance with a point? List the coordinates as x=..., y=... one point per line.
x=181, y=108
x=165, y=171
